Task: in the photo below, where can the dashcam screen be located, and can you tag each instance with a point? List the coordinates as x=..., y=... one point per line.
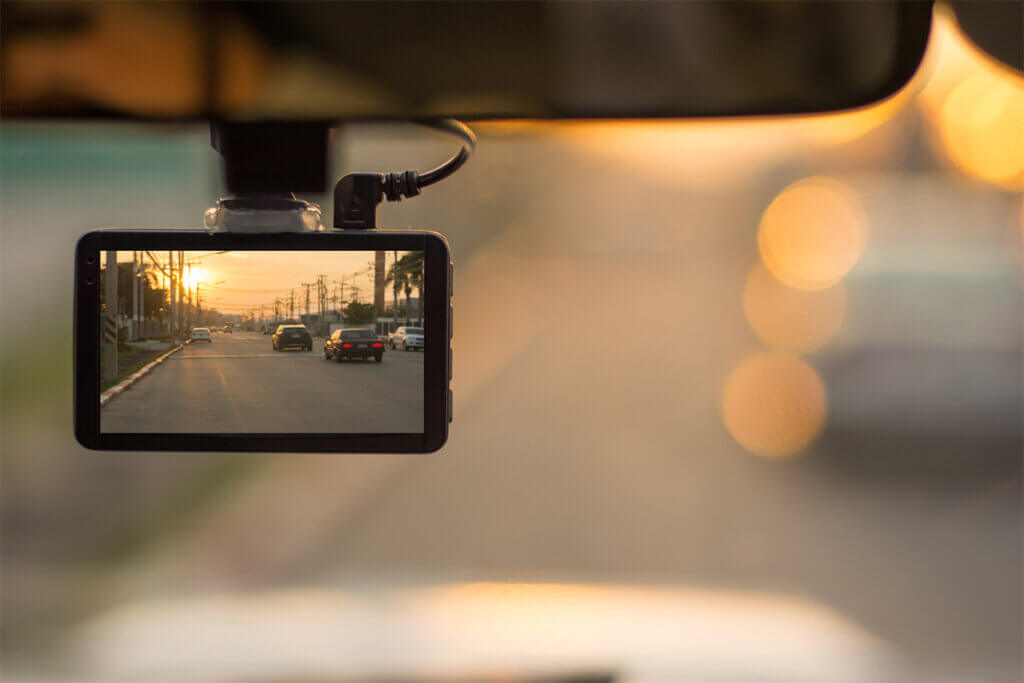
x=262, y=342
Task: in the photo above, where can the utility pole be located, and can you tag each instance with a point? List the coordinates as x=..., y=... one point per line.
x=134, y=303
x=321, y=293
x=110, y=320
x=341, y=302
x=394, y=276
x=379, y=292
x=181, y=293
x=142, y=294
x=141, y=281
x=319, y=306
x=173, y=286
x=291, y=305
x=191, y=311
x=180, y=298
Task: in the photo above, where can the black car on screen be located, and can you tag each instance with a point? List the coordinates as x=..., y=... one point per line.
x=292, y=337
x=353, y=343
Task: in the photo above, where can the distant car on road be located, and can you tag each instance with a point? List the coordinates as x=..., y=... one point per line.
x=353, y=343
x=201, y=334
x=292, y=336
x=407, y=338
x=265, y=331
x=227, y=328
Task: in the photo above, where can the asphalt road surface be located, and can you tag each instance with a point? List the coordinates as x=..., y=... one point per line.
x=239, y=384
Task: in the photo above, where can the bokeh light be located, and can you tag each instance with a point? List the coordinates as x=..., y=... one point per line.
x=975, y=106
x=788, y=318
x=812, y=234
x=982, y=129
x=774, y=404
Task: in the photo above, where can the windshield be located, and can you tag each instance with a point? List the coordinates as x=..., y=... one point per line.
x=358, y=334
x=807, y=469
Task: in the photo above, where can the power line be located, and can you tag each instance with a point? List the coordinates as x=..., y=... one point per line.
x=238, y=290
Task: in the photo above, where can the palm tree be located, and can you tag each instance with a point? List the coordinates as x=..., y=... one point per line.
x=398, y=276
x=408, y=291
x=416, y=280
x=407, y=273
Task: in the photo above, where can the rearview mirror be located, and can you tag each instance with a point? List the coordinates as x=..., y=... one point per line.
x=997, y=27
x=469, y=60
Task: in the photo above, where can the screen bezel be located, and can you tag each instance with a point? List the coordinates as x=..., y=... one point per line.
x=437, y=307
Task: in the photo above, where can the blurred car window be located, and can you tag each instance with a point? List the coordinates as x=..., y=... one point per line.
x=809, y=469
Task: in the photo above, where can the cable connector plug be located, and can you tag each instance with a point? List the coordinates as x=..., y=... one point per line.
x=357, y=195
x=398, y=185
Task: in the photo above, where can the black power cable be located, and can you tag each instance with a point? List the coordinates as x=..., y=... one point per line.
x=357, y=195
x=449, y=167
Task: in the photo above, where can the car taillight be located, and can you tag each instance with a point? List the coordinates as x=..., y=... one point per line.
x=346, y=346
x=378, y=345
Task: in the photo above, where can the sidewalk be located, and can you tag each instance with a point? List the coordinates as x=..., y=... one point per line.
x=128, y=363
x=152, y=345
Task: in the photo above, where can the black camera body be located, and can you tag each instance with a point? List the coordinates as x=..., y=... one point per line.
x=222, y=395
x=226, y=378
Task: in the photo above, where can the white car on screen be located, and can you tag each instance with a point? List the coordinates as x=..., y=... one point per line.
x=407, y=338
x=201, y=334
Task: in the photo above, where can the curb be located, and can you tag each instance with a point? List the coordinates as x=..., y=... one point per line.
x=118, y=389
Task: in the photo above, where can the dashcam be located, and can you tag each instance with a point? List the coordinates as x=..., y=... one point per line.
x=318, y=342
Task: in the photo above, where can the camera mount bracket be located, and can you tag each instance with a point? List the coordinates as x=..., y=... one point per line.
x=263, y=214
x=265, y=162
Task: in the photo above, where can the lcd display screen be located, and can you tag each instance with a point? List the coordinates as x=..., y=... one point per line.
x=262, y=342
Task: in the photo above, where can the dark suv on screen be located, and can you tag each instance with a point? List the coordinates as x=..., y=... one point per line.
x=292, y=336
x=353, y=343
